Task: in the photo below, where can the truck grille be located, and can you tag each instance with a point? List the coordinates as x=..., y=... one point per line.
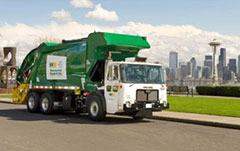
x=147, y=95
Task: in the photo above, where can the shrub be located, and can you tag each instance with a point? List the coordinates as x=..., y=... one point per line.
x=219, y=90
x=205, y=90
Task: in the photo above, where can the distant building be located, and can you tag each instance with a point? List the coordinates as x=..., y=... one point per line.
x=232, y=65
x=222, y=57
x=181, y=63
x=208, y=57
x=221, y=63
x=198, y=72
x=167, y=73
x=226, y=74
x=193, y=66
x=207, y=63
x=184, y=69
x=206, y=72
x=173, y=60
x=233, y=76
x=173, y=64
x=178, y=74
x=189, y=69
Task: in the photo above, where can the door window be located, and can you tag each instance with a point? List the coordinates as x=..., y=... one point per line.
x=113, y=73
x=109, y=77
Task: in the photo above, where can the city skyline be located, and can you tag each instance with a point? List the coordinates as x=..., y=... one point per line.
x=226, y=70
x=226, y=58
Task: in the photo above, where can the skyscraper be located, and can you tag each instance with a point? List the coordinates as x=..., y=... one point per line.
x=189, y=68
x=173, y=60
x=232, y=65
x=194, y=66
x=198, y=72
x=206, y=71
x=226, y=74
x=207, y=63
x=183, y=71
x=173, y=64
x=221, y=63
x=222, y=57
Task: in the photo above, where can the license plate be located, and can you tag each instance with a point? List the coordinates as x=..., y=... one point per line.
x=148, y=106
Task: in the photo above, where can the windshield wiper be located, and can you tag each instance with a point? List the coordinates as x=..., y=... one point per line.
x=132, y=84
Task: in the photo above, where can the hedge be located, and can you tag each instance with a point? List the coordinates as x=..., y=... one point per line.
x=219, y=90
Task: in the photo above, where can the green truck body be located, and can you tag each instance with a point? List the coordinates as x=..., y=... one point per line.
x=81, y=58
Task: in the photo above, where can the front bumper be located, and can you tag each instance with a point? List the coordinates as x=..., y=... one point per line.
x=142, y=106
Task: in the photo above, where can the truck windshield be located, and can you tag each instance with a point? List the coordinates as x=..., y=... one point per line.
x=132, y=73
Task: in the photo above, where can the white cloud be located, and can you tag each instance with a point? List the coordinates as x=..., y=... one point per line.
x=62, y=16
x=81, y=3
x=187, y=40
x=102, y=14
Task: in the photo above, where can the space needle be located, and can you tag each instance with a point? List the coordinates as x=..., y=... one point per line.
x=214, y=44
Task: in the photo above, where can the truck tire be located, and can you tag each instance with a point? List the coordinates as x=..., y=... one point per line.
x=46, y=103
x=95, y=108
x=33, y=101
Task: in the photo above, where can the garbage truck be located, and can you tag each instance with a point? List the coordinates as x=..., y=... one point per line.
x=91, y=75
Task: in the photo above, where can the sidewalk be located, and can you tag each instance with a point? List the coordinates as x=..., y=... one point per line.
x=5, y=100
x=201, y=119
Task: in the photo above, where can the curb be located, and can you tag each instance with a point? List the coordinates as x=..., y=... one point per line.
x=7, y=102
x=197, y=122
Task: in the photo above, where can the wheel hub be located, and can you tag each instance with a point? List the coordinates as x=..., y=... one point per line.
x=45, y=104
x=31, y=102
x=94, y=108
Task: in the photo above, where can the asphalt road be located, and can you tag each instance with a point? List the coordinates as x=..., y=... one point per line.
x=23, y=131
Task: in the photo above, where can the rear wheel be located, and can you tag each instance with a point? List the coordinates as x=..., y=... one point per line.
x=95, y=108
x=46, y=103
x=33, y=101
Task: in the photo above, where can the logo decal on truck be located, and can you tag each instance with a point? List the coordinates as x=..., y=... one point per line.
x=53, y=64
x=56, y=67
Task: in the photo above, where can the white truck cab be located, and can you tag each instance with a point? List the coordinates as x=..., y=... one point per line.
x=135, y=88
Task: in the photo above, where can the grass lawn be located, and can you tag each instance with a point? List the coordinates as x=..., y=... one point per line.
x=5, y=95
x=205, y=105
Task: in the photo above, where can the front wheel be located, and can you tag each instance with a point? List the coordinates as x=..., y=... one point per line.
x=95, y=108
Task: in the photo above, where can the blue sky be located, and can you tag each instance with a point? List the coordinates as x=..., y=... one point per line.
x=186, y=26
x=212, y=15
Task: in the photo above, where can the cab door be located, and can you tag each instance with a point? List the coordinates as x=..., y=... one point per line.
x=111, y=88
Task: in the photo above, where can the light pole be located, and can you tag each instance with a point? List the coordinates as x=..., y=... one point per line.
x=214, y=44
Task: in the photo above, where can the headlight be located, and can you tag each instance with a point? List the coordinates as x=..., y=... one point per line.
x=128, y=104
x=162, y=89
x=165, y=103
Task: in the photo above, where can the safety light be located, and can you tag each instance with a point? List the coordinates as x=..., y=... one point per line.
x=119, y=86
x=86, y=93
